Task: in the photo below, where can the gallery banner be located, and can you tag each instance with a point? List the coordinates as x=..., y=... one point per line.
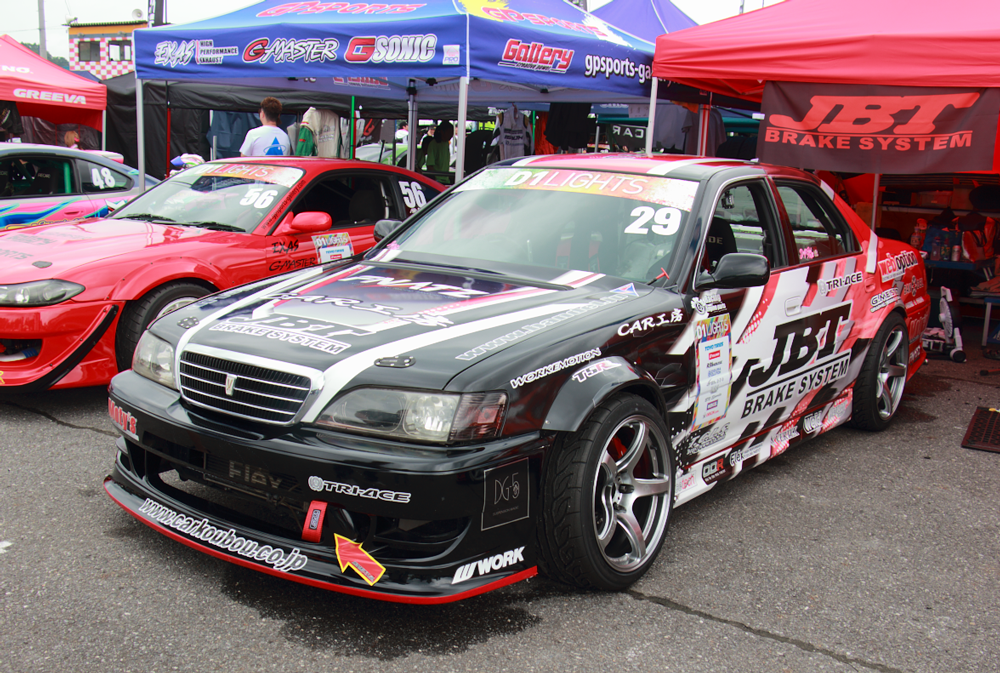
x=878, y=129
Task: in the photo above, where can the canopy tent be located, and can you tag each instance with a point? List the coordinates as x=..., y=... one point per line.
x=850, y=42
x=543, y=49
x=879, y=75
x=647, y=19
x=42, y=89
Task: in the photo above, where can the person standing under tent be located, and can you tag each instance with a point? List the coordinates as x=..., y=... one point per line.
x=267, y=140
x=439, y=148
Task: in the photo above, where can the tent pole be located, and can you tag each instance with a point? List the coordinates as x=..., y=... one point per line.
x=104, y=129
x=411, y=125
x=463, y=115
x=353, y=125
x=704, y=112
x=597, y=136
x=140, y=135
x=215, y=136
x=652, y=115
x=875, y=200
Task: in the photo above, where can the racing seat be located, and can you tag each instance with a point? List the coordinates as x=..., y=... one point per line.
x=720, y=241
x=367, y=205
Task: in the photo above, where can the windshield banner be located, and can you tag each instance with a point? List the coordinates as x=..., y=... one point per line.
x=878, y=129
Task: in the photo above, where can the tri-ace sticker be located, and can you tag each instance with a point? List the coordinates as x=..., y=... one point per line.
x=123, y=419
x=894, y=267
x=488, y=565
x=826, y=285
x=505, y=495
x=200, y=529
x=297, y=331
x=804, y=350
x=320, y=484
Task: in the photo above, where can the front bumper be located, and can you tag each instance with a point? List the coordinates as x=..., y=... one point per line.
x=433, y=526
x=76, y=346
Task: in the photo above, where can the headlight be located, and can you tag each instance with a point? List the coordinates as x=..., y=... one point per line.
x=420, y=416
x=38, y=293
x=154, y=359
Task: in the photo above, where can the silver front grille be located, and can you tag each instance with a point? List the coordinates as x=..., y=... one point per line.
x=243, y=390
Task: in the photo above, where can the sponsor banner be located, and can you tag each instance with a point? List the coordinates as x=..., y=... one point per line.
x=878, y=129
x=627, y=137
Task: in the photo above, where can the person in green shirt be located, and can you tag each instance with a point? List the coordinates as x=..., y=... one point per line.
x=438, y=150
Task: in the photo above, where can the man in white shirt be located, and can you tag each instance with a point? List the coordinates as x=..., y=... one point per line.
x=267, y=140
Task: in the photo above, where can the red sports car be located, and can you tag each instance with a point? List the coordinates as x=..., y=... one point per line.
x=74, y=298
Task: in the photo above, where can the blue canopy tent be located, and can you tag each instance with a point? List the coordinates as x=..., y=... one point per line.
x=520, y=50
x=647, y=19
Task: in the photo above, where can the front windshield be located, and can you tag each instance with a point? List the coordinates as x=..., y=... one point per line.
x=230, y=197
x=611, y=223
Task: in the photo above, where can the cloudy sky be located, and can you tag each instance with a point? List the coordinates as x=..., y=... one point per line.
x=23, y=26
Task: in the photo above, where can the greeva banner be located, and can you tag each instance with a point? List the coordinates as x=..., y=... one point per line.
x=878, y=129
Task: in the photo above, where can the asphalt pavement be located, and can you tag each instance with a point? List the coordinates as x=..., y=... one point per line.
x=854, y=552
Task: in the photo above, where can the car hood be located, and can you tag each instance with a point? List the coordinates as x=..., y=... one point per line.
x=399, y=324
x=38, y=253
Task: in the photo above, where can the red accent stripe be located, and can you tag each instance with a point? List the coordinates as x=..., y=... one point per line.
x=391, y=598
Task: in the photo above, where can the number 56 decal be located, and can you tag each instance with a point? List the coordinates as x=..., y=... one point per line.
x=413, y=195
x=257, y=198
x=666, y=221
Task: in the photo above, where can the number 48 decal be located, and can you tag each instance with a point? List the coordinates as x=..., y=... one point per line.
x=666, y=221
x=413, y=195
x=102, y=178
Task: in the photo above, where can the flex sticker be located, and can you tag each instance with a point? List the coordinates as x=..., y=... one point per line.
x=350, y=553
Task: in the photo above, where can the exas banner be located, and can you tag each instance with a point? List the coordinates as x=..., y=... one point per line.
x=878, y=129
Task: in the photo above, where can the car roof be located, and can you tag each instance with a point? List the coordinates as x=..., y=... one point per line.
x=679, y=166
x=55, y=150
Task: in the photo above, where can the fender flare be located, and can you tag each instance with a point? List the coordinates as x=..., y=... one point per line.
x=577, y=399
x=138, y=282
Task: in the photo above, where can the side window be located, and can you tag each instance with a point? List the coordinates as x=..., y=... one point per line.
x=38, y=176
x=350, y=200
x=818, y=230
x=415, y=195
x=98, y=178
x=743, y=221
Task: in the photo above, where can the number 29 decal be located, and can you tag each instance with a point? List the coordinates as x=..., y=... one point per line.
x=666, y=221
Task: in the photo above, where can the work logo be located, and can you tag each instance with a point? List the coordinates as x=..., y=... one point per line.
x=391, y=49
x=488, y=565
x=536, y=56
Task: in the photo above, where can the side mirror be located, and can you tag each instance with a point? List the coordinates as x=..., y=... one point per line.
x=309, y=222
x=736, y=270
x=385, y=227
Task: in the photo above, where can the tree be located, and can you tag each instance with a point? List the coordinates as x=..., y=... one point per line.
x=58, y=60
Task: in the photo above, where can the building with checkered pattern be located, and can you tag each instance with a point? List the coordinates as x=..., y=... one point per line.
x=104, y=49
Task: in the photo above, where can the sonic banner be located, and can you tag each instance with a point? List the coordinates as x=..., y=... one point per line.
x=878, y=129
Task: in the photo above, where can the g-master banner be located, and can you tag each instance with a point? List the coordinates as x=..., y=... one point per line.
x=878, y=129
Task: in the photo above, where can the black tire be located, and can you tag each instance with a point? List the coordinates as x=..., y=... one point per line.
x=590, y=497
x=139, y=314
x=879, y=387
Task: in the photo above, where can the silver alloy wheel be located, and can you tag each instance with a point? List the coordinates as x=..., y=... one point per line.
x=892, y=373
x=632, y=493
x=180, y=302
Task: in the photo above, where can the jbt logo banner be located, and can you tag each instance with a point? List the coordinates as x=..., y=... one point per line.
x=878, y=129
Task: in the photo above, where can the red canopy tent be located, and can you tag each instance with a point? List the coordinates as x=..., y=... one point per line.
x=43, y=89
x=918, y=43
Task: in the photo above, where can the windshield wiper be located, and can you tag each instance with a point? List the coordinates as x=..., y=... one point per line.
x=144, y=217
x=215, y=226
